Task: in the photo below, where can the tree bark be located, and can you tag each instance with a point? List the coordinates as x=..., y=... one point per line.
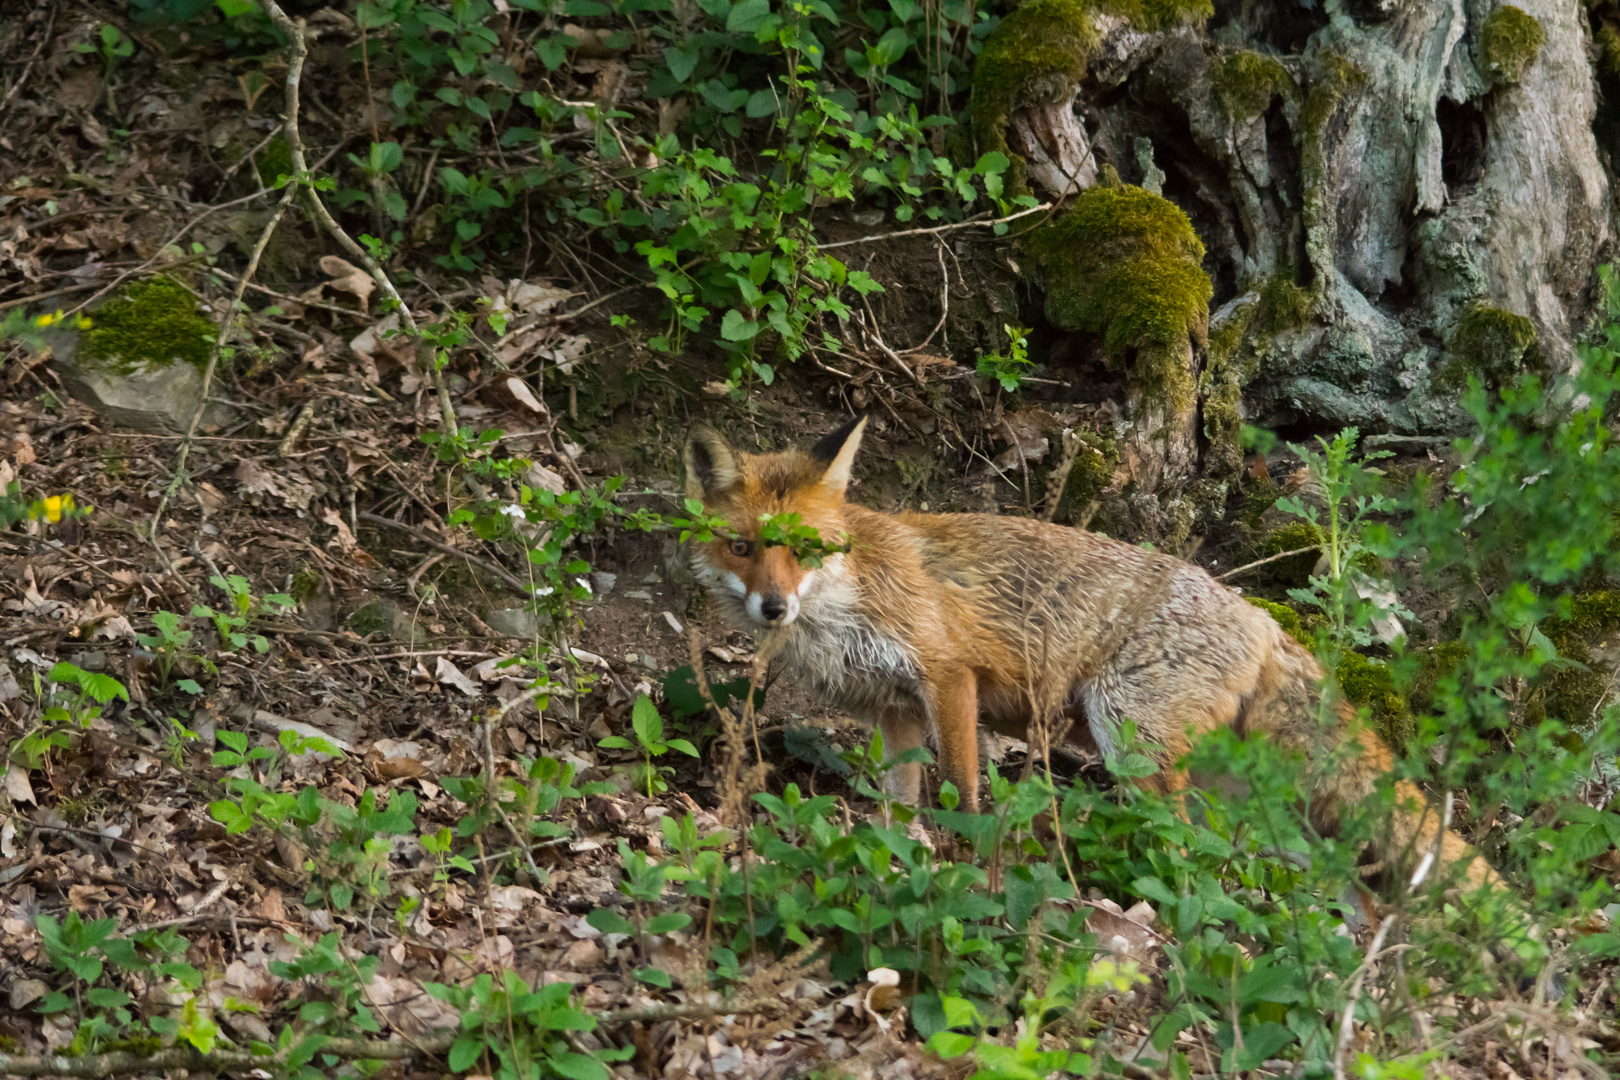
x=1375, y=192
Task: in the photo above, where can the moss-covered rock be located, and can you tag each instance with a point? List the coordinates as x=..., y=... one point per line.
x=1127, y=264
x=1488, y=342
x=1300, y=536
x=1245, y=83
x=1287, y=618
x=1370, y=684
x=1509, y=43
x=154, y=324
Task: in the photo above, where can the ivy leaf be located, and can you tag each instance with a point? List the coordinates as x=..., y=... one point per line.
x=748, y=16
x=737, y=327
x=682, y=62
x=465, y=1052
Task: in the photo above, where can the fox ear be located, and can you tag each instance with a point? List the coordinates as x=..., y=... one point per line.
x=837, y=453
x=711, y=467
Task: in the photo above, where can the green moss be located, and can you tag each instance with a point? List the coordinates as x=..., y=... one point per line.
x=1509, y=43
x=1156, y=15
x=1488, y=342
x=306, y=582
x=275, y=160
x=1292, y=537
x=1285, y=304
x=1245, y=83
x=1608, y=43
x=1126, y=263
x=372, y=617
x=1095, y=464
x=1287, y=618
x=1221, y=386
x=1259, y=494
x=1296, y=569
x=1036, y=55
x=153, y=324
x=1369, y=683
x=1573, y=693
x=1332, y=80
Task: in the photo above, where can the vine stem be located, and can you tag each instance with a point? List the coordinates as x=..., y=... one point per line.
x=297, y=51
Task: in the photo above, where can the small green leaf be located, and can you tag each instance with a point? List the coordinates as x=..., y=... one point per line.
x=609, y=922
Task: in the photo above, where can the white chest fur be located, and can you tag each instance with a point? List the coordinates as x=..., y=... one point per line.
x=836, y=648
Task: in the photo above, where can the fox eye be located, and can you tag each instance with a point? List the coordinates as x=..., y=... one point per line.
x=742, y=548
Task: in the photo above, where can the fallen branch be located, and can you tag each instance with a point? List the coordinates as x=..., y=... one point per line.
x=937, y=228
x=1246, y=567
x=302, y=180
x=450, y=549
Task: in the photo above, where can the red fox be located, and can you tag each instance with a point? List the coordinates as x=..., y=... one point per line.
x=931, y=621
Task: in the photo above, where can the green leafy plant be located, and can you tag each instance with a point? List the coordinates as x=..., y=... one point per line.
x=648, y=727
x=74, y=699
x=514, y=1032
x=1008, y=369
x=233, y=624
x=171, y=650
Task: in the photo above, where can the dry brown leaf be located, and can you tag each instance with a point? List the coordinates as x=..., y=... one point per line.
x=349, y=278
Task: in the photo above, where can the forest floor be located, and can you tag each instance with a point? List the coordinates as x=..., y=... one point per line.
x=312, y=480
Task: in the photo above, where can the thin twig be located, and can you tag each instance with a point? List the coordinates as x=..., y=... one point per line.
x=449, y=549
x=303, y=181
x=937, y=228
x=944, y=303
x=1246, y=567
x=29, y=67
x=1347, y=1019
x=229, y=323
x=164, y=250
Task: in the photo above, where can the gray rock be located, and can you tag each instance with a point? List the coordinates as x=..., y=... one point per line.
x=152, y=398
x=513, y=622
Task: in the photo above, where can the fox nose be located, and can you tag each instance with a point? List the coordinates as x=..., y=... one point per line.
x=772, y=607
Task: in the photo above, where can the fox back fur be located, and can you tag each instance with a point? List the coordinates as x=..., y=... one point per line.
x=930, y=622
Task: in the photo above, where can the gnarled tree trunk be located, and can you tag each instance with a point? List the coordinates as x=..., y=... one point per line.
x=1393, y=200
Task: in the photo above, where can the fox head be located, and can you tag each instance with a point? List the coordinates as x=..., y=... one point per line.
x=765, y=580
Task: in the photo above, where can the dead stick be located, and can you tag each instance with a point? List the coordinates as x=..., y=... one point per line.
x=303, y=181
x=1269, y=559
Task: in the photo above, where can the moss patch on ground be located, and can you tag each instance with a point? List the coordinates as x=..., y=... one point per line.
x=1509, y=43
x=1573, y=694
x=1245, y=83
x=154, y=324
x=1488, y=342
x=1126, y=263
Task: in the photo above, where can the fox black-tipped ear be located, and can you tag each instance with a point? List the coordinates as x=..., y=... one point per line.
x=711, y=467
x=837, y=453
